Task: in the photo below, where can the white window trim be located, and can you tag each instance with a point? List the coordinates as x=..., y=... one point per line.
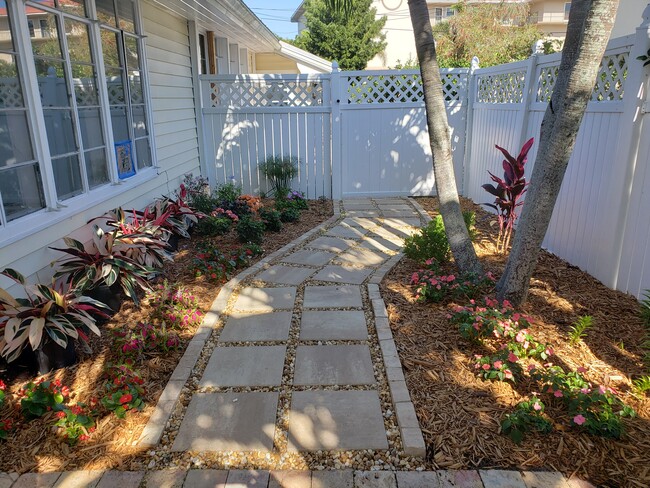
x=55, y=210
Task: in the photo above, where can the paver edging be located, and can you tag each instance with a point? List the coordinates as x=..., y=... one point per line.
x=153, y=430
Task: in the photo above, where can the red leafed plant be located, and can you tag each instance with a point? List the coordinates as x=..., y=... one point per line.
x=508, y=192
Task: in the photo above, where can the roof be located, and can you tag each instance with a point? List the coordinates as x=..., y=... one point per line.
x=305, y=58
x=299, y=12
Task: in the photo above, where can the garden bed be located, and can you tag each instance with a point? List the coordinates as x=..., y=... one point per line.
x=36, y=445
x=460, y=413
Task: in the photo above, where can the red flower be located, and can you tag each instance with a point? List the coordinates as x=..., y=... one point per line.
x=126, y=398
x=65, y=391
x=84, y=437
x=60, y=415
x=2, y=385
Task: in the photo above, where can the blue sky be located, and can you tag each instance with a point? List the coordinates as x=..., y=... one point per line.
x=276, y=15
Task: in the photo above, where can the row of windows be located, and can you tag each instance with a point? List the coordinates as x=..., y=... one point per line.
x=86, y=93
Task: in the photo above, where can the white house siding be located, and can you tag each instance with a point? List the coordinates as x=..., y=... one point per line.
x=172, y=103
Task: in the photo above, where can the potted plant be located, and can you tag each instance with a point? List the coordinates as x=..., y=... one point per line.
x=280, y=170
x=102, y=267
x=46, y=320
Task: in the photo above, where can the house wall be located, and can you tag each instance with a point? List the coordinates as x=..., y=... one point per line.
x=176, y=147
x=399, y=34
x=274, y=63
x=628, y=17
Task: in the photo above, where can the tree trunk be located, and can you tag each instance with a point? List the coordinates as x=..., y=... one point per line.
x=590, y=24
x=440, y=140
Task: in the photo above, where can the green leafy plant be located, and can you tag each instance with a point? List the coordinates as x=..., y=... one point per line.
x=174, y=306
x=102, y=263
x=6, y=426
x=642, y=385
x=430, y=242
x=44, y=315
x=598, y=411
x=280, y=170
x=214, y=226
x=645, y=309
x=39, y=397
x=528, y=415
x=290, y=214
x=271, y=219
x=123, y=390
x=3, y=394
x=579, y=329
x=145, y=338
x=216, y=265
x=508, y=192
x=500, y=366
x=75, y=423
x=431, y=287
x=228, y=192
x=249, y=230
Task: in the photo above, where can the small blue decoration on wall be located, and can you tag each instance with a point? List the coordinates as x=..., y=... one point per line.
x=124, y=157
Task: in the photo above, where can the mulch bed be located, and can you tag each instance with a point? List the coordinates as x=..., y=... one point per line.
x=36, y=447
x=460, y=414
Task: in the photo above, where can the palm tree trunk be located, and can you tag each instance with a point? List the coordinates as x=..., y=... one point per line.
x=590, y=24
x=440, y=140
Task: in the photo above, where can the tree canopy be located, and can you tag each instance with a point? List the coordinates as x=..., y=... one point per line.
x=495, y=32
x=350, y=36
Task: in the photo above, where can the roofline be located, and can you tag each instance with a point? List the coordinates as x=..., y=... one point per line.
x=246, y=12
x=298, y=13
x=304, y=57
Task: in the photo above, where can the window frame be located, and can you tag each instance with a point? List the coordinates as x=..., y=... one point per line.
x=56, y=210
x=567, y=11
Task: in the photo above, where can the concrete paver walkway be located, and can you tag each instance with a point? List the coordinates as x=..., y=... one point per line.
x=296, y=358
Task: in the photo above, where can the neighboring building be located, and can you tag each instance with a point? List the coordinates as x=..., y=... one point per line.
x=551, y=16
x=100, y=106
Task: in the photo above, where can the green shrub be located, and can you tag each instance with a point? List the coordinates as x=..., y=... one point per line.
x=204, y=203
x=431, y=241
x=213, y=226
x=271, y=219
x=290, y=214
x=228, y=192
x=645, y=309
x=280, y=170
x=249, y=230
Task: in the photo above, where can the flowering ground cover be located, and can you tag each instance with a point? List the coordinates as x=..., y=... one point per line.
x=496, y=387
x=90, y=415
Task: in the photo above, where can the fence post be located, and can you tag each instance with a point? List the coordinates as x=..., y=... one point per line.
x=335, y=103
x=630, y=130
x=470, y=96
x=530, y=88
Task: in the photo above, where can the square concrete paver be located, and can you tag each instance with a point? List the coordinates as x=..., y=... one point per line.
x=343, y=274
x=245, y=366
x=75, y=479
x=284, y=275
x=380, y=244
x=205, y=478
x=336, y=420
x=362, y=257
x=247, y=478
x=228, y=422
x=290, y=479
x=309, y=258
x=269, y=326
x=501, y=478
x=333, y=325
x=374, y=479
x=417, y=479
x=165, y=478
x=341, y=478
x=121, y=479
x=332, y=244
x=265, y=299
x=346, y=231
x=332, y=297
x=333, y=365
x=366, y=223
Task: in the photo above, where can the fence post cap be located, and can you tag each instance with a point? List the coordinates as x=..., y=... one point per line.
x=335, y=66
x=475, y=63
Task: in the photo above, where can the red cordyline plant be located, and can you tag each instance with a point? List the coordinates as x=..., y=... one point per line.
x=508, y=192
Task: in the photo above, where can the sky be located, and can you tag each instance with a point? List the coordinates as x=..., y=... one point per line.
x=276, y=15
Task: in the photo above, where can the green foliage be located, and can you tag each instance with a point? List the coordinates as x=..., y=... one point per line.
x=76, y=423
x=579, y=329
x=271, y=219
x=500, y=366
x=430, y=242
x=41, y=397
x=350, y=36
x=249, y=230
x=216, y=266
x=123, y=390
x=642, y=385
x=495, y=32
x=290, y=214
x=228, y=192
x=431, y=287
x=204, y=203
x=280, y=170
x=213, y=226
x=597, y=411
x=527, y=416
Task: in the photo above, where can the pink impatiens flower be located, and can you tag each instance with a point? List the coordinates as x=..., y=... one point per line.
x=537, y=406
x=582, y=370
x=512, y=358
x=486, y=367
x=558, y=394
x=579, y=419
x=508, y=374
x=498, y=364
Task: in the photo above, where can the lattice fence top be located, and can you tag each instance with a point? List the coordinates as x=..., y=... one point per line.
x=402, y=88
x=265, y=93
x=11, y=95
x=502, y=87
x=610, y=82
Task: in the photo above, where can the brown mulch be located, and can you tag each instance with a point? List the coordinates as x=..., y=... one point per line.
x=35, y=446
x=460, y=414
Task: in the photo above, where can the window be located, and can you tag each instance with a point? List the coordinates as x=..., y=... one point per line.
x=204, y=59
x=72, y=105
x=450, y=12
x=438, y=15
x=21, y=190
x=567, y=8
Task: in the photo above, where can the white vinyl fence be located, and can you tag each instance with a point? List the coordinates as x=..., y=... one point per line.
x=364, y=133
